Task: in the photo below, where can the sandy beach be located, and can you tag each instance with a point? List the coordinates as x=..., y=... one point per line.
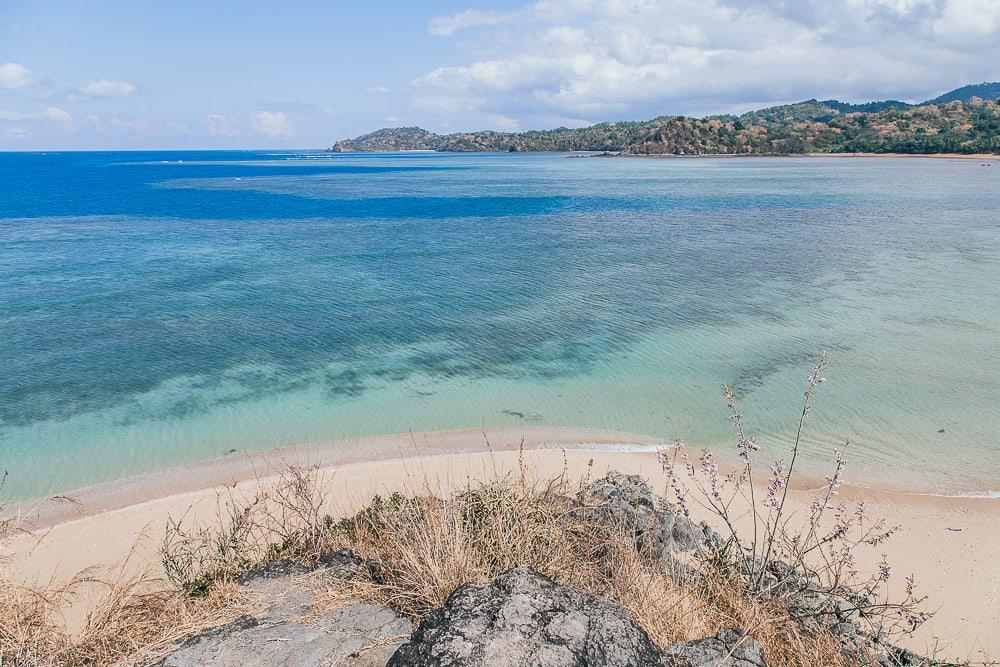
x=960, y=156
x=936, y=156
x=947, y=543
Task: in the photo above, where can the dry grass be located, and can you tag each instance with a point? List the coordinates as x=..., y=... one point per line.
x=128, y=618
x=283, y=519
x=127, y=614
x=421, y=548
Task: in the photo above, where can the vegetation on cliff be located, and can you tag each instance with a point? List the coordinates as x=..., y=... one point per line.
x=958, y=126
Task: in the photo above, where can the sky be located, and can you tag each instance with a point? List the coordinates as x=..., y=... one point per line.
x=107, y=75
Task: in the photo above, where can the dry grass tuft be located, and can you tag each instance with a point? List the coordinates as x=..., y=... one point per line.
x=128, y=618
x=27, y=635
x=279, y=520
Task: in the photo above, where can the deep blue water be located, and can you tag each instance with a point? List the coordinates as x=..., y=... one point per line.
x=158, y=307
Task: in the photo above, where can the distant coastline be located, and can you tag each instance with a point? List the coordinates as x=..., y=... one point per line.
x=957, y=123
x=959, y=156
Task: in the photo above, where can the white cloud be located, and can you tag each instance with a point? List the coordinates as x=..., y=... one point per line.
x=377, y=90
x=136, y=127
x=217, y=125
x=14, y=131
x=50, y=115
x=391, y=119
x=15, y=75
x=57, y=115
x=272, y=124
x=104, y=88
x=49, y=121
x=504, y=123
x=470, y=18
x=965, y=18
x=576, y=59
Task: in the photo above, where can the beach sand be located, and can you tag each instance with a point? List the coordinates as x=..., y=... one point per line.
x=959, y=156
x=949, y=544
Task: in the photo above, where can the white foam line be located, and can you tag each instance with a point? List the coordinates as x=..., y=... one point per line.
x=965, y=494
x=604, y=446
x=657, y=447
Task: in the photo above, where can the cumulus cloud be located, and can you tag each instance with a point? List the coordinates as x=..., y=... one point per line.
x=57, y=115
x=272, y=124
x=218, y=125
x=470, y=18
x=969, y=18
x=104, y=88
x=377, y=90
x=51, y=114
x=136, y=127
x=14, y=131
x=573, y=59
x=51, y=120
x=14, y=76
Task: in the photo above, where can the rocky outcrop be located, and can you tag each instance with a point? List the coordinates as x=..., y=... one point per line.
x=523, y=618
x=360, y=635
x=282, y=633
x=900, y=657
x=730, y=647
x=664, y=533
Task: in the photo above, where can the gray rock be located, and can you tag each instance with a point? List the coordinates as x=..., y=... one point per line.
x=728, y=648
x=361, y=635
x=276, y=569
x=629, y=500
x=523, y=618
x=342, y=564
x=900, y=657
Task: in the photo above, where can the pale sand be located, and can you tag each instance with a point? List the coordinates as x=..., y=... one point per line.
x=959, y=156
x=948, y=543
x=946, y=156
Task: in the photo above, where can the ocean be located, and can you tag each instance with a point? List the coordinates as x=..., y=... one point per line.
x=168, y=307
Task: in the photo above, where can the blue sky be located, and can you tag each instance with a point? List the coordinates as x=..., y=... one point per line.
x=80, y=74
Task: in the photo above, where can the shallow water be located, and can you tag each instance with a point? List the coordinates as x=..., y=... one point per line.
x=159, y=308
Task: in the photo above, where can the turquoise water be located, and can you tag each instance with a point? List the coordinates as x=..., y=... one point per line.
x=160, y=308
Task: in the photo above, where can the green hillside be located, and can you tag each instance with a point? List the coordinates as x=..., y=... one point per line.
x=969, y=125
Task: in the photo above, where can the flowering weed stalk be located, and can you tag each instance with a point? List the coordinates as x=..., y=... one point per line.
x=782, y=555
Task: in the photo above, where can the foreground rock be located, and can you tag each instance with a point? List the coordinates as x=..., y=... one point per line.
x=628, y=500
x=359, y=635
x=523, y=618
x=729, y=648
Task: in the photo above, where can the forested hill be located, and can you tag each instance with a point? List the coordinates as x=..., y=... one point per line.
x=959, y=126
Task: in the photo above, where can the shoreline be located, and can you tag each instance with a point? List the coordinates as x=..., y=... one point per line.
x=665, y=156
x=946, y=542
x=131, y=490
x=86, y=501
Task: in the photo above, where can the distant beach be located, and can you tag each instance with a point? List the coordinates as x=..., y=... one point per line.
x=666, y=156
